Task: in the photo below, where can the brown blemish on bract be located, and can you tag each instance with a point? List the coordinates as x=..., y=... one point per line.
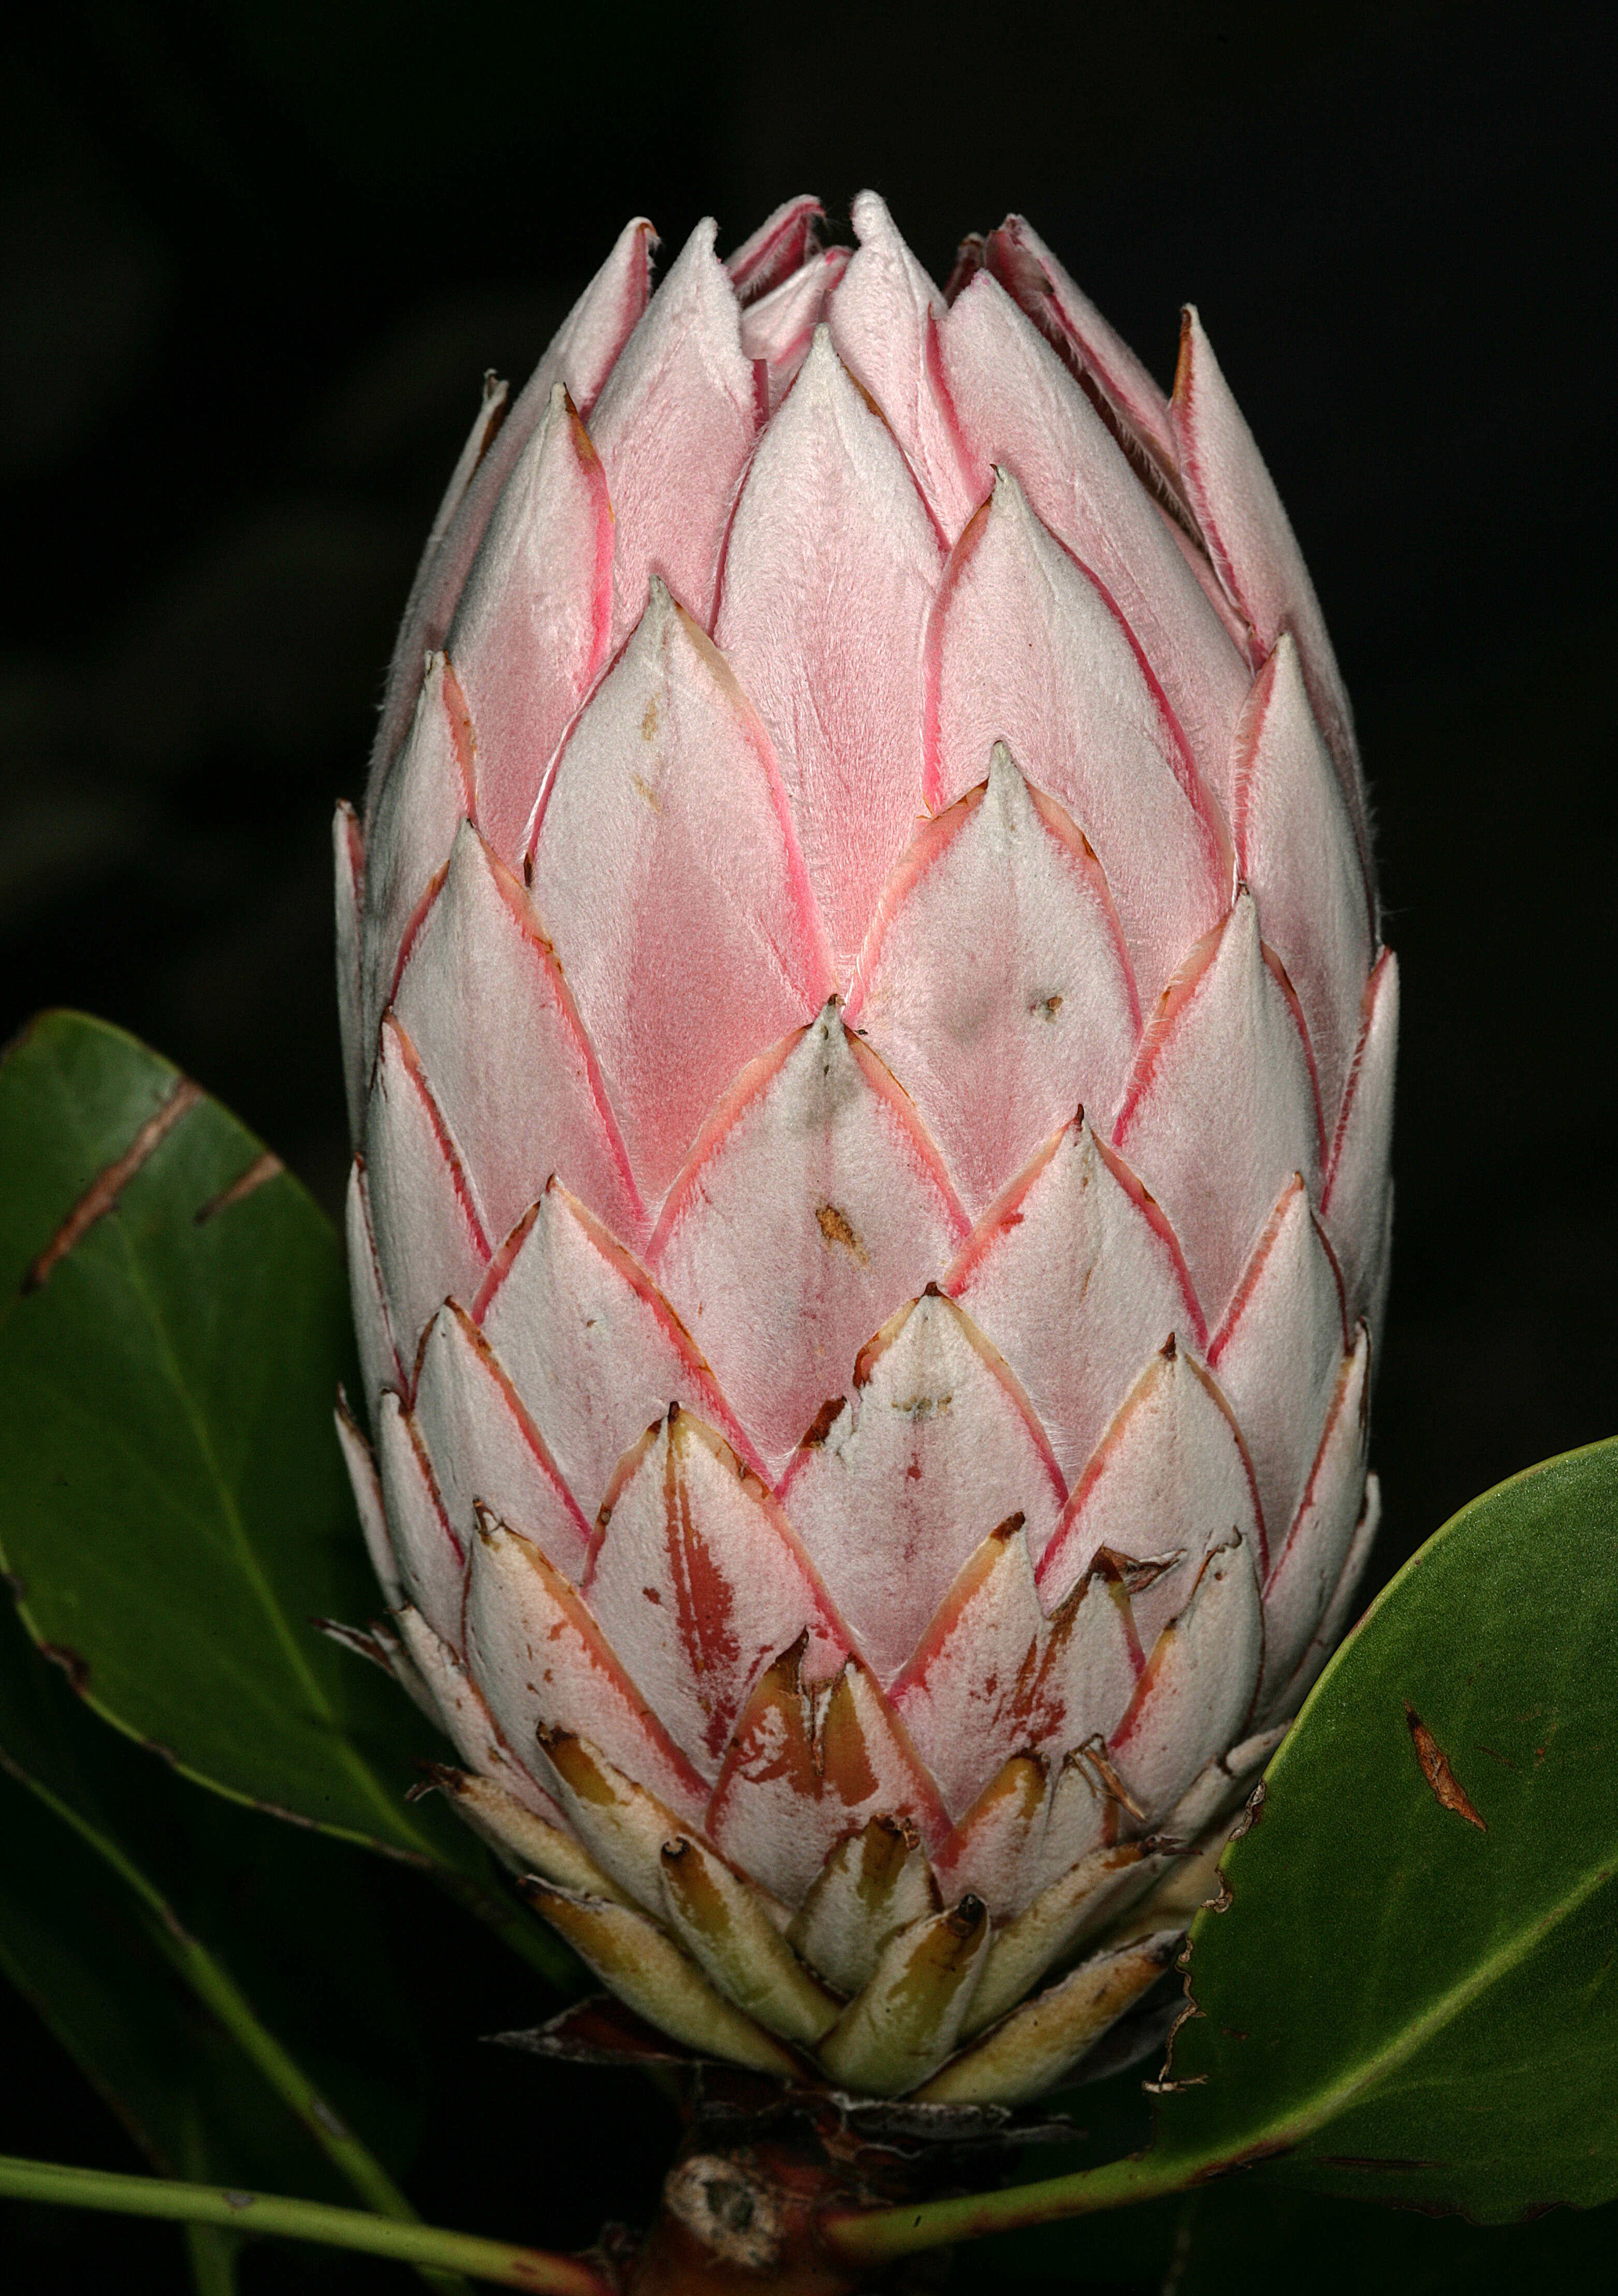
x=1137, y=1572
x=575, y=1766
x=267, y=1166
x=362, y=1642
x=825, y=1419
x=704, y=1597
x=885, y=1845
x=103, y=1192
x=1094, y=1753
x=964, y=1921
x=837, y=1228
x=1447, y=1788
x=843, y=1758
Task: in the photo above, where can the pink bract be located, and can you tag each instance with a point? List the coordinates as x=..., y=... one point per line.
x=870, y=1062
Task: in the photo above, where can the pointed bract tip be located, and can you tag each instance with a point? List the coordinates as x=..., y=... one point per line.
x=1191, y=326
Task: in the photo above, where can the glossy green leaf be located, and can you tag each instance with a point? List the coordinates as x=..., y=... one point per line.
x=1413, y=1994
x=1242, y=2235
x=175, y=1512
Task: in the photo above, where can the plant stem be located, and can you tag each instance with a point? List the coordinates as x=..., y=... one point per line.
x=218, y=1991
x=212, y=2255
x=864, y=2236
x=426, y=2246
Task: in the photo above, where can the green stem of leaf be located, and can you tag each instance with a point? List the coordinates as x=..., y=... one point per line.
x=212, y=2254
x=218, y=1991
x=868, y=2236
x=426, y=2246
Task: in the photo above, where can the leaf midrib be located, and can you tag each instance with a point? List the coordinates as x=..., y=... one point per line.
x=1288, y=2130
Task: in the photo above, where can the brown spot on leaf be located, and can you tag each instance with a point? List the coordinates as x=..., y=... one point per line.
x=103, y=1192
x=1252, y=1813
x=1447, y=1788
x=837, y=1228
x=262, y=1168
x=1504, y=1760
x=76, y=1669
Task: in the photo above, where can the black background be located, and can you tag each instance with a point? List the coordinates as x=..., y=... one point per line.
x=254, y=264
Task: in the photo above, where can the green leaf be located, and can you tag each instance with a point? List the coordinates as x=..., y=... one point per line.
x=174, y=1325
x=1242, y=2233
x=1413, y=1994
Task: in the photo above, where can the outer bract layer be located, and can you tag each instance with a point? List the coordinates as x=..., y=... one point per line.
x=871, y=1073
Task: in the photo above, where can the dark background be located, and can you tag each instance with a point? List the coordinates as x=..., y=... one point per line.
x=254, y=264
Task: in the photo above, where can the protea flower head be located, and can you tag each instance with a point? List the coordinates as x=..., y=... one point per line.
x=872, y=1071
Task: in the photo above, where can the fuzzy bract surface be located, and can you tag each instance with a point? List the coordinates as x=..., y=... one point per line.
x=870, y=1059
